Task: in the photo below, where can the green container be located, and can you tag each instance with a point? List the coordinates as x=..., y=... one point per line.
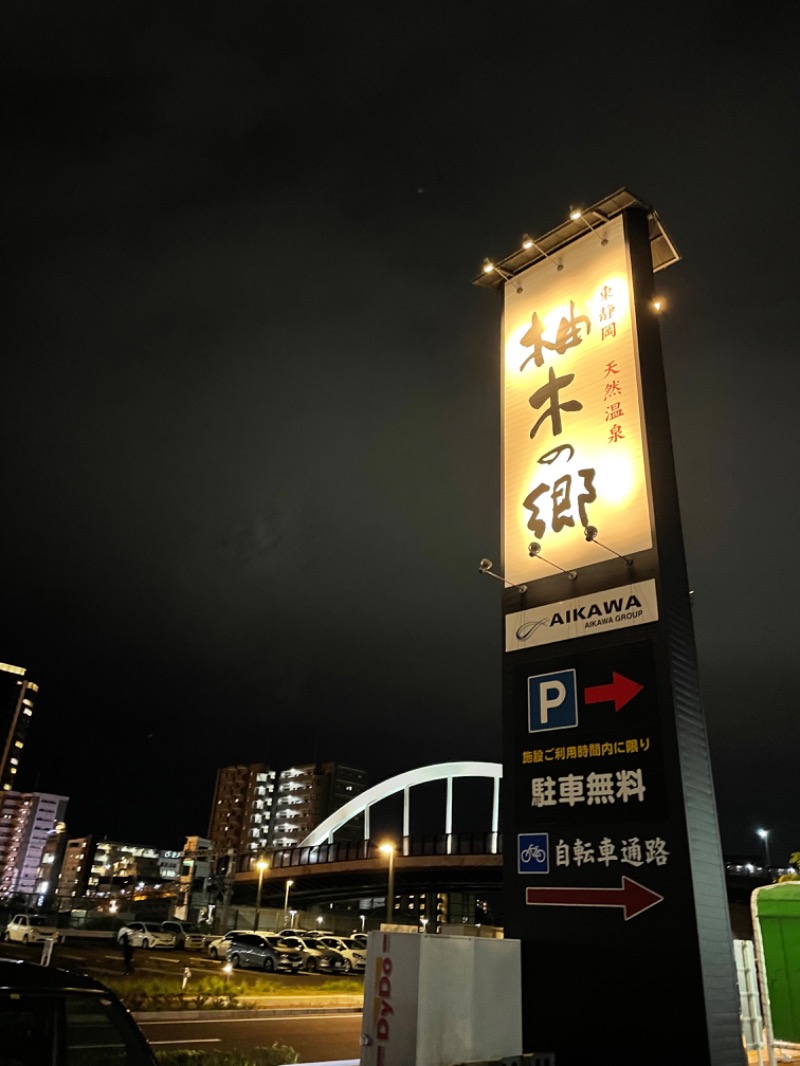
x=776, y=928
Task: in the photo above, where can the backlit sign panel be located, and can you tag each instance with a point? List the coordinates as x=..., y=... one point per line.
x=573, y=432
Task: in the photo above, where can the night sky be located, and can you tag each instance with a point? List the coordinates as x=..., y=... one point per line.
x=251, y=428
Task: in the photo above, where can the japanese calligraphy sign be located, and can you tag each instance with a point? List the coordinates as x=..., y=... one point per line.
x=573, y=436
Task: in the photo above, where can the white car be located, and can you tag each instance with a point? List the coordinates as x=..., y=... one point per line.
x=355, y=954
x=318, y=957
x=187, y=934
x=146, y=935
x=30, y=929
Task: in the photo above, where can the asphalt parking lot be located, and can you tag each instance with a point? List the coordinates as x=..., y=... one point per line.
x=103, y=958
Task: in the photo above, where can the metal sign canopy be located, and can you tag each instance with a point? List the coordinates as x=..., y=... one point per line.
x=662, y=250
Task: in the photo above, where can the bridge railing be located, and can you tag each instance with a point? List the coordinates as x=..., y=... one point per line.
x=361, y=850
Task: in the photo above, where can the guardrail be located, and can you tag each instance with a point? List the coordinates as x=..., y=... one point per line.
x=86, y=934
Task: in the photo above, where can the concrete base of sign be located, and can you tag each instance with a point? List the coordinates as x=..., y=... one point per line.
x=433, y=1000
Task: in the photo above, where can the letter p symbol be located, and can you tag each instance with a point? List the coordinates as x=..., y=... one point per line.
x=552, y=701
x=551, y=695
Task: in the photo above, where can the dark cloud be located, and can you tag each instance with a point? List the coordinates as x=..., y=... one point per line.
x=252, y=407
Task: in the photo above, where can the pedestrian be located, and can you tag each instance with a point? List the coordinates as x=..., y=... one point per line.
x=127, y=952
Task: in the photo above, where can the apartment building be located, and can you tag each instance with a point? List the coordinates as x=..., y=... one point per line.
x=16, y=711
x=255, y=809
x=105, y=869
x=241, y=813
x=27, y=819
x=306, y=795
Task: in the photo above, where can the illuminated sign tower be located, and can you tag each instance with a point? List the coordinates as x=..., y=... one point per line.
x=613, y=872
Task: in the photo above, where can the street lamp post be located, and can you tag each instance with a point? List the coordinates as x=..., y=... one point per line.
x=388, y=849
x=286, y=902
x=261, y=865
x=764, y=834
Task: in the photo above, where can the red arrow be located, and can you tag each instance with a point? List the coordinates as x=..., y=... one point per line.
x=632, y=897
x=621, y=690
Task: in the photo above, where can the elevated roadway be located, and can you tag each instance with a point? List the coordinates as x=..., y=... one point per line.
x=358, y=869
x=326, y=869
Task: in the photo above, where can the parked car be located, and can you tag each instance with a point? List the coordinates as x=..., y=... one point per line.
x=30, y=928
x=317, y=956
x=187, y=935
x=355, y=954
x=61, y=1017
x=263, y=951
x=360, y=937
x=217, y=947
x=146, y=935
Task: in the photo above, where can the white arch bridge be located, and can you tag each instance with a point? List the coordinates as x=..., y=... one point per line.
x=445, y=771
x=324, y=868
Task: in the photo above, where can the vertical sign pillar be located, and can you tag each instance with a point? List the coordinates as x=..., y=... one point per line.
x=613, y=872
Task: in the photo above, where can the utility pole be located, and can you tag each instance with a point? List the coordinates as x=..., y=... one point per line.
x=227, y=891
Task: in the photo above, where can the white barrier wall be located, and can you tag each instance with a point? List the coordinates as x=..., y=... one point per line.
x=433, y=1000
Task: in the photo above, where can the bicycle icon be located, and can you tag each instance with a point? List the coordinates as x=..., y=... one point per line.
x=533, y=853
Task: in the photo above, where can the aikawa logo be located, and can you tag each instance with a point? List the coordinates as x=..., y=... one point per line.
x=527, y=629
x=627, y=605
x=603, y=609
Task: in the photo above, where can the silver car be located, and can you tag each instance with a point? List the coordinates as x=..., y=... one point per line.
x=263, y=951
x=217, y=948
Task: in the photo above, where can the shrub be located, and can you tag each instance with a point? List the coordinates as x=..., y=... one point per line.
x=275, y=1055
x=141, y=994
x=145, y=994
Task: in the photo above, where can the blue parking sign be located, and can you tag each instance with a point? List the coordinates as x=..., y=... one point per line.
x=533, y=853
x=552, y=701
